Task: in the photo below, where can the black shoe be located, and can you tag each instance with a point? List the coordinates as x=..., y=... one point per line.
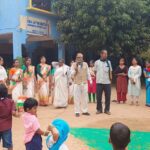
x=77, y=115
x=99, y=112
x=107, y=112
x=86, y=114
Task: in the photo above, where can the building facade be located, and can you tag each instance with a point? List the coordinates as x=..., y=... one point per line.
x=28, y=28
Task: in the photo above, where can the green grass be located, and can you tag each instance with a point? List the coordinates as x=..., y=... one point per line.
x=97, y=139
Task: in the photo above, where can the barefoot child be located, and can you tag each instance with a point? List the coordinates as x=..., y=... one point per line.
x=57, y=142
x=32, y=139
x=119, y=136
x=7, y=109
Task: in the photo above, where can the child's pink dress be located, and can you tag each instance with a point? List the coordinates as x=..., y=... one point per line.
x=32, y=140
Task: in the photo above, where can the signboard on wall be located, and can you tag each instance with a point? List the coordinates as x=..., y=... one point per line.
x=42, y=4
x=35, y=26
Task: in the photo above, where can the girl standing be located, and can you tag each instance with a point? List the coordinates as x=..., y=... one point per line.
x=92, y=88
x=134, y=86
x=28, y=78
x=52, y=72
x=71, y=85
x=33, y=132
x=122, y=83
x=147, y=80
x=16, y=76
x=43, y=72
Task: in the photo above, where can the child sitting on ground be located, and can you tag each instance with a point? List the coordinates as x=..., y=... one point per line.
x=57, y=142
x=32, y=139
x=119, y=136
x=7, y=110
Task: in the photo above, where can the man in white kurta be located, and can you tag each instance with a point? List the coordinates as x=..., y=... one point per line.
x=80, y=74
x=61, y=84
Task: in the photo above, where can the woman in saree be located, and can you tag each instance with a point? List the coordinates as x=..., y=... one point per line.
x=3, y=73
x=147, y=81
x=61, y=84
x=43, y=72
x=16, y=76
x=28, y=78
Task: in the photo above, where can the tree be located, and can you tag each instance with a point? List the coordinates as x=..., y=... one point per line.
x=118, y=25
x=145, y=55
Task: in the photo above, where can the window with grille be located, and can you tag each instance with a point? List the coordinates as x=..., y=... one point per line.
x=42, y=4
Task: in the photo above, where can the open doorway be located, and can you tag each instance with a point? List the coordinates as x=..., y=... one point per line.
x=6, y=49
x=36, y=49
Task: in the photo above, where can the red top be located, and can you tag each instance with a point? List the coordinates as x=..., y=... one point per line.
x=6, y=108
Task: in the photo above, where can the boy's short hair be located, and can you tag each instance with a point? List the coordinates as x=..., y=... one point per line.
x=3, y=91
x=119, y=135
x=29, y=104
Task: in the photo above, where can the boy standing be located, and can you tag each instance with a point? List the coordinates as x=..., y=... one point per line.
x=7, y=109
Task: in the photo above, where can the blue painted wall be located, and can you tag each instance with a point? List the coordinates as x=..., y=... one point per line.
x=10, y=12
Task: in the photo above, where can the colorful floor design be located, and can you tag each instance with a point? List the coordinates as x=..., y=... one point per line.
x=97, y=139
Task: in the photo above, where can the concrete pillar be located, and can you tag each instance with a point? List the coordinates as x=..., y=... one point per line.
x=19, y=38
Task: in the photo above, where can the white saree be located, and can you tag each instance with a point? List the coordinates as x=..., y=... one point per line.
x=43, y=91
x=61, y=87
x=29, y=82
x=3, y=74
x=16, y=87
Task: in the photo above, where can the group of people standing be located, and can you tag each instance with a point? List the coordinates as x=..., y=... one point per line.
x=85, y=83
x=23, y=80
x=129, y=81
x=26, y=80
x=133, y=86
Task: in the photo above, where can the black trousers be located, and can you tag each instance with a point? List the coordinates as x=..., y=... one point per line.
x=106, y=88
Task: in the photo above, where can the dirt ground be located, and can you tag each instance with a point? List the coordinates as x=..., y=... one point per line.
x=136, y=117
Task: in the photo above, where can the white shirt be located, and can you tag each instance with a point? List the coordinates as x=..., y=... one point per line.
x=3, y=74
x=51, y=142
x=102, y=71
x=63, y=147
